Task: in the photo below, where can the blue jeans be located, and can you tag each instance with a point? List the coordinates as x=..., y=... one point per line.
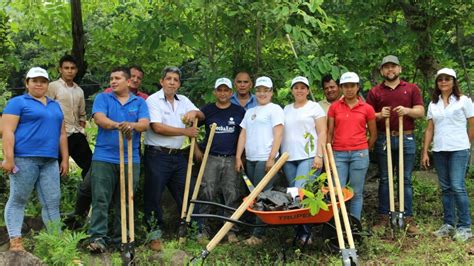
x=352, y=167
x=298, y=168
x=162, y=170
x=34, y=172
x=451, y=168
x=409, y=149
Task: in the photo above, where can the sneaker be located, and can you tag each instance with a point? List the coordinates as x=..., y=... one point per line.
x=444, y=230
x=382, y=223
x=462, y=234
x=253, y=241
x=97, y=246
x=232, y=238
x=16, y=244
x=156, y=245
x=411, y=226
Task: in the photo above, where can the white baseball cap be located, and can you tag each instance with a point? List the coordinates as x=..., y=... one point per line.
x=35, y=72
x=223, y=81
x=349, y=77
x=446, y=71
x=300, y=79
x=264, y=81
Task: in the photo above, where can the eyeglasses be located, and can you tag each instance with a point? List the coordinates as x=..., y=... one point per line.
x=444, y=79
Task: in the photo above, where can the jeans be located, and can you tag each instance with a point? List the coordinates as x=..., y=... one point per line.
x=451, y=168
x=352, y=167
x=105, y=183
x=299, y=168
x=409, y=149
x=34, y=172
x=162, y=170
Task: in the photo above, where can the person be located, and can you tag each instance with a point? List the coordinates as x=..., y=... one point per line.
x=393, y=98
x=165, y=163
x=261, y=136
x=448, y=114
x=33, y=136
x=113, y=112
x=348, y=119
x=332, y=92
x=305, y=127
x=135, y=82
x=242, y=96
x=220, y=176
x=71, y=99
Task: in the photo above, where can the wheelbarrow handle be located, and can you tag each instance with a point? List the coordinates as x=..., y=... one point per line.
x=227, y=219
x=203, y=202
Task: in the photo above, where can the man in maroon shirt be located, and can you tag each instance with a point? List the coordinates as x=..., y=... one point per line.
x=393, y=98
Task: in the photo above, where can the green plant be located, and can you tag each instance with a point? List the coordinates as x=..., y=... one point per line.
x=313, y=192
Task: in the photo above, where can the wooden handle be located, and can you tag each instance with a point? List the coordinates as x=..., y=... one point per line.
x=389, y=165
x=188, y=174
x=131, y=221
x=248, y=201
x=201, y=171
x=401, y=173
x=340, y=195
x=335, y=210
x=123, y=213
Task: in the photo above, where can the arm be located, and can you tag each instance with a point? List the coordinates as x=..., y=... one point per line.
x=240, y=149
x=372, y=132
x=418, y=111
x=330, y=129
x=82, y=112
x=277, y=138
x=189, y=117
x=10, y=122
x=470, y=131
x=104, y=122
x=162, y=129
x=429, y=131
x=321, y=130
x=63, y=148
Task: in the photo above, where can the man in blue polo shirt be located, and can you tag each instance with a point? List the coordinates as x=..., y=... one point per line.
x=242, y=96
x=119, y=110
x=220, y=176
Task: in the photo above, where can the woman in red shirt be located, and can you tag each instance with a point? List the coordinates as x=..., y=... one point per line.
x=349, y=118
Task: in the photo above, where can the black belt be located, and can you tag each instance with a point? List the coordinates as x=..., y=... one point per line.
x=163, y=149
x=221, y=155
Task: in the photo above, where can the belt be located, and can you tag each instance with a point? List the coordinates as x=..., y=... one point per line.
x=396, y=133
x=164, y=149
x=221, y=155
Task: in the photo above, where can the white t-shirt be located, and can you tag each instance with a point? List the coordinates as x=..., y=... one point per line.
x=161, y=111
x=450, y=123
x=258, y=124
x=298, y=122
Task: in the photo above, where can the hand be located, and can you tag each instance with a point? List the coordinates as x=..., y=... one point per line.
x=64, y=167
x=425, y=160
x=238, y=165
x=401, y=110
x=191, y=132
x=8, y=166
x=188, y=118
x=317, y=163
x=385, y=112
x=82, y=124
x=269, y=164
x=126, y=128
x=198, y=155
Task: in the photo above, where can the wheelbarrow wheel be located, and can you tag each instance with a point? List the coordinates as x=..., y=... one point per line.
x=329, y=234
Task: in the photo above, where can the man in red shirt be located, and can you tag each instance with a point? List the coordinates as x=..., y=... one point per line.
x=392, y=98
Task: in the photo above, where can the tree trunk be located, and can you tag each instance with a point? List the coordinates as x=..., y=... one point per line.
x=78, y=41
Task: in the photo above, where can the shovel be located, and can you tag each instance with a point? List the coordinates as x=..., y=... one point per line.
x=349, y=256
x=182, y=232
x=127, y=247
x=201, y=172
x=242, y=208
x=397, y=218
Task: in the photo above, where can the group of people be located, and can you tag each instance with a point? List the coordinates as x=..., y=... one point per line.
x=45, y=126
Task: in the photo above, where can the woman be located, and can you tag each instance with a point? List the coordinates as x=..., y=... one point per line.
x=448, y=114
x=261, y=135
x=349, y=118
x=304, y=136
x=33, y=135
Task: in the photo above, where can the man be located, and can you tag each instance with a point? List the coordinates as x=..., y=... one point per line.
x=135, y=82
x=71, y=99
x=113, y=112
x=393, y=98
x=242, y=96
x=332, y=92
x=165, y=163
x=220, y=176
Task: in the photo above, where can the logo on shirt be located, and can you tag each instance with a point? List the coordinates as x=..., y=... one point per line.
x=225, y=129
x=231, y=122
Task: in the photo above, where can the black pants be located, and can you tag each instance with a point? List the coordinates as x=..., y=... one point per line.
x=80, y=151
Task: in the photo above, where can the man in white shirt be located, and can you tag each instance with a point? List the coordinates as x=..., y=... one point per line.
x=165, y=163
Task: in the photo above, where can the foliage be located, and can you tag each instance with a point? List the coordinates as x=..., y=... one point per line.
x=313, y=192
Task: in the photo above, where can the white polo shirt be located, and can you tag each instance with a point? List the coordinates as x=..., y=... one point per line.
x=162, y=111
x=450, y=123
